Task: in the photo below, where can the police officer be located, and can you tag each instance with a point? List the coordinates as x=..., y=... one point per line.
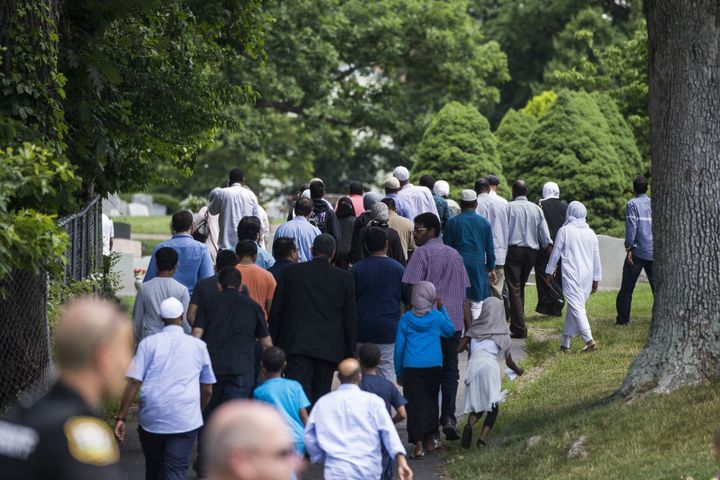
x=62, y=436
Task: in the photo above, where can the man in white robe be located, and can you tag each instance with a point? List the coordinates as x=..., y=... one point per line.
x=577, y=245
x=415, y=199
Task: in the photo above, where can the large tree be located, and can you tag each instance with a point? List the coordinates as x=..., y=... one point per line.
x=683, y=347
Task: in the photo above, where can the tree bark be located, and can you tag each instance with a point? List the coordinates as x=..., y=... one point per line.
x=683, y=346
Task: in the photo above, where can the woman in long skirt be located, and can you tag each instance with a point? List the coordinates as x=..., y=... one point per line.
x=489, y=339
x=418, y=364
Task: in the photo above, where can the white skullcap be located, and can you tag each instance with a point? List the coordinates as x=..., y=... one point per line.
x=441, y=188
x=392, y=183
x=401, y=173
x=171, y=308
x=305, y=194
x=316, y=180
x=468, y=196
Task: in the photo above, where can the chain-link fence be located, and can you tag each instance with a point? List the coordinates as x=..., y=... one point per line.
x=25, y=346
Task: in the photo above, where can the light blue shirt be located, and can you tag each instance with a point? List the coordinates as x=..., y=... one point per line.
x=264, y=259
x=171, y=366
x=400, y=207
x=347, y=429
x=194, y=262
x=638, y=227
x=303, y=232
x=288, y=397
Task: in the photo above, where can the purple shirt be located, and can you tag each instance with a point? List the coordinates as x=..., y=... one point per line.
x=443, y=266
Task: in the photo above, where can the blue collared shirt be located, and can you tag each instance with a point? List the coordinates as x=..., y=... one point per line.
x=171, y=366
x=194, y=262
x=400, y=207
x=264, y=259
x=303, y=232
x=638, y=227
x=347, y=429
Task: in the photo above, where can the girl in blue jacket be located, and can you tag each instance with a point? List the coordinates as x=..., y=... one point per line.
x=418, y=364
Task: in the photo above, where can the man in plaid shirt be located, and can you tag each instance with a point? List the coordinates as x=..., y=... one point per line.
x=435, y=262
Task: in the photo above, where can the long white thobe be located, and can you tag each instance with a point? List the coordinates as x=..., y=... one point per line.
x=578, y=248
x=417, y=200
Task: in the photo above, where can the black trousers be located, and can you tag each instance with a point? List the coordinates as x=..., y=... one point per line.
x=629, y=279
x=421, y=387
x=518, y=264
x=450, y=377
x=315, y=375
x=490, y=418
x=550, y=297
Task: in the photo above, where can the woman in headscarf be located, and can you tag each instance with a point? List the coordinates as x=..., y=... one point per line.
x=370, y=199
x=576, y=246
x=346, y=216
x=550, y=295
x=489, y=339
x=418, y=364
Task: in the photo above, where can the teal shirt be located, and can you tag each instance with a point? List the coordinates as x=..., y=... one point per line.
x=471, y=235
x=288, y=397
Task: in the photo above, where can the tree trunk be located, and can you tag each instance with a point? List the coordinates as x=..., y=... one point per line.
x=683, y=347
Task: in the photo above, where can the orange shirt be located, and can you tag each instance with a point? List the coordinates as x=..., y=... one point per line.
x=261, y=285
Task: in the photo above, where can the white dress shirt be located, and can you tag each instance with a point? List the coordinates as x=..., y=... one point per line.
x=232, y=204
x=494, y=209
x=417, y=200
x=346, y=429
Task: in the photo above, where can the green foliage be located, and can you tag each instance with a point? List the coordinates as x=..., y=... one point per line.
x=32, y=180
x=512, y=136
x=574, y=146
x=348, y=88
x=622, y=139
x=171, y=202
x=527, y=32
x=194, y=203
x=458, y=147
x=620, y=70
x=538, y=105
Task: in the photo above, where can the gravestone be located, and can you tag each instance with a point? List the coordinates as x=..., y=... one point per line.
x=138, y=210
x=122, y=229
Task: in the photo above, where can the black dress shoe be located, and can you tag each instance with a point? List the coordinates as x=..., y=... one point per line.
x=520, y=336
x=451, y=432
x=466, y=436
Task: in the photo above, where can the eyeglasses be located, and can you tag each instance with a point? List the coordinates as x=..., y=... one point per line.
x=418, y=230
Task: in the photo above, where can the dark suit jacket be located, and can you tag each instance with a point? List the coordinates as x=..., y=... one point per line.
x=313, y=311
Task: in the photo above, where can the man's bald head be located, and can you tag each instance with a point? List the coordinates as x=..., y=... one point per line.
x=248, y=440
x=349, y=371
x=83, y=326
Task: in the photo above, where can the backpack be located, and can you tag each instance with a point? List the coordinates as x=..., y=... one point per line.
x=318, y=217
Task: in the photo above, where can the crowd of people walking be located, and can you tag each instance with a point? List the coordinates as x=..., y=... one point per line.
x=386, y=291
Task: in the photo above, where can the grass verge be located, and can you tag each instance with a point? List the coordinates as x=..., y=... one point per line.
x=157, y=224
x=566, y=396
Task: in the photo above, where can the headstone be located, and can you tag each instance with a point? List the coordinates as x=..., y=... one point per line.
x=124, y=268
x=143, y=198
x=158, y=210
x=138, y=210
x=132, y=247
x=114, y=206
x=122, y=229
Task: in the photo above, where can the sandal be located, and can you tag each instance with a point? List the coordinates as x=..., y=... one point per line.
x=590, y=348
x=417, y=456
x=480, y=443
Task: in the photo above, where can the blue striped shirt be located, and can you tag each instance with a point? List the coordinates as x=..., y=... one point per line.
x=638, y=227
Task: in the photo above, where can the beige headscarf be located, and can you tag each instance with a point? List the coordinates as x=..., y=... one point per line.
x=423, y=298
x=490, y=325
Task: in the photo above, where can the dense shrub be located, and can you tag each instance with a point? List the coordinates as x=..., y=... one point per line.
x=512, y=136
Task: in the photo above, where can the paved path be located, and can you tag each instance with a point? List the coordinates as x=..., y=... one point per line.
x=429, y=468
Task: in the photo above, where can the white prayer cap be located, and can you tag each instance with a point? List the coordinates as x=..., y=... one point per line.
x=316, y=180
x=305, y=194
x=171, y=308
x=441, y=188
x=468, y=196
x=401, y=173
x=392, y=183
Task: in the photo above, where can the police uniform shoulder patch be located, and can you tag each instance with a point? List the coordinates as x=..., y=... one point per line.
x=91, y=441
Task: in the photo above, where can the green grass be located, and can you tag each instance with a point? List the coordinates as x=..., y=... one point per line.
x=157, y=224
x=655, y=437
x=148, y=246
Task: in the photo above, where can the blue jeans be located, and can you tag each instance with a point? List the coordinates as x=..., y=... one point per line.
x=166, y=454
x=629, y=279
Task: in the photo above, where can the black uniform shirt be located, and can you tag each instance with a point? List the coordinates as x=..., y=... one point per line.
x=59, y=437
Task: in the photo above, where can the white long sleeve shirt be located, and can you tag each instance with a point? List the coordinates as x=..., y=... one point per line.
x=417, y=200
x=346, y=429
x=494, y=209
x=232, y=204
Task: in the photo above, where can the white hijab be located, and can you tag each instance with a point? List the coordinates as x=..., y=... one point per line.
x=576, y=214
x=551, y=190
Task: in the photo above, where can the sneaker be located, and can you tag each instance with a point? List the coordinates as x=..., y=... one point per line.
x=451, y=432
